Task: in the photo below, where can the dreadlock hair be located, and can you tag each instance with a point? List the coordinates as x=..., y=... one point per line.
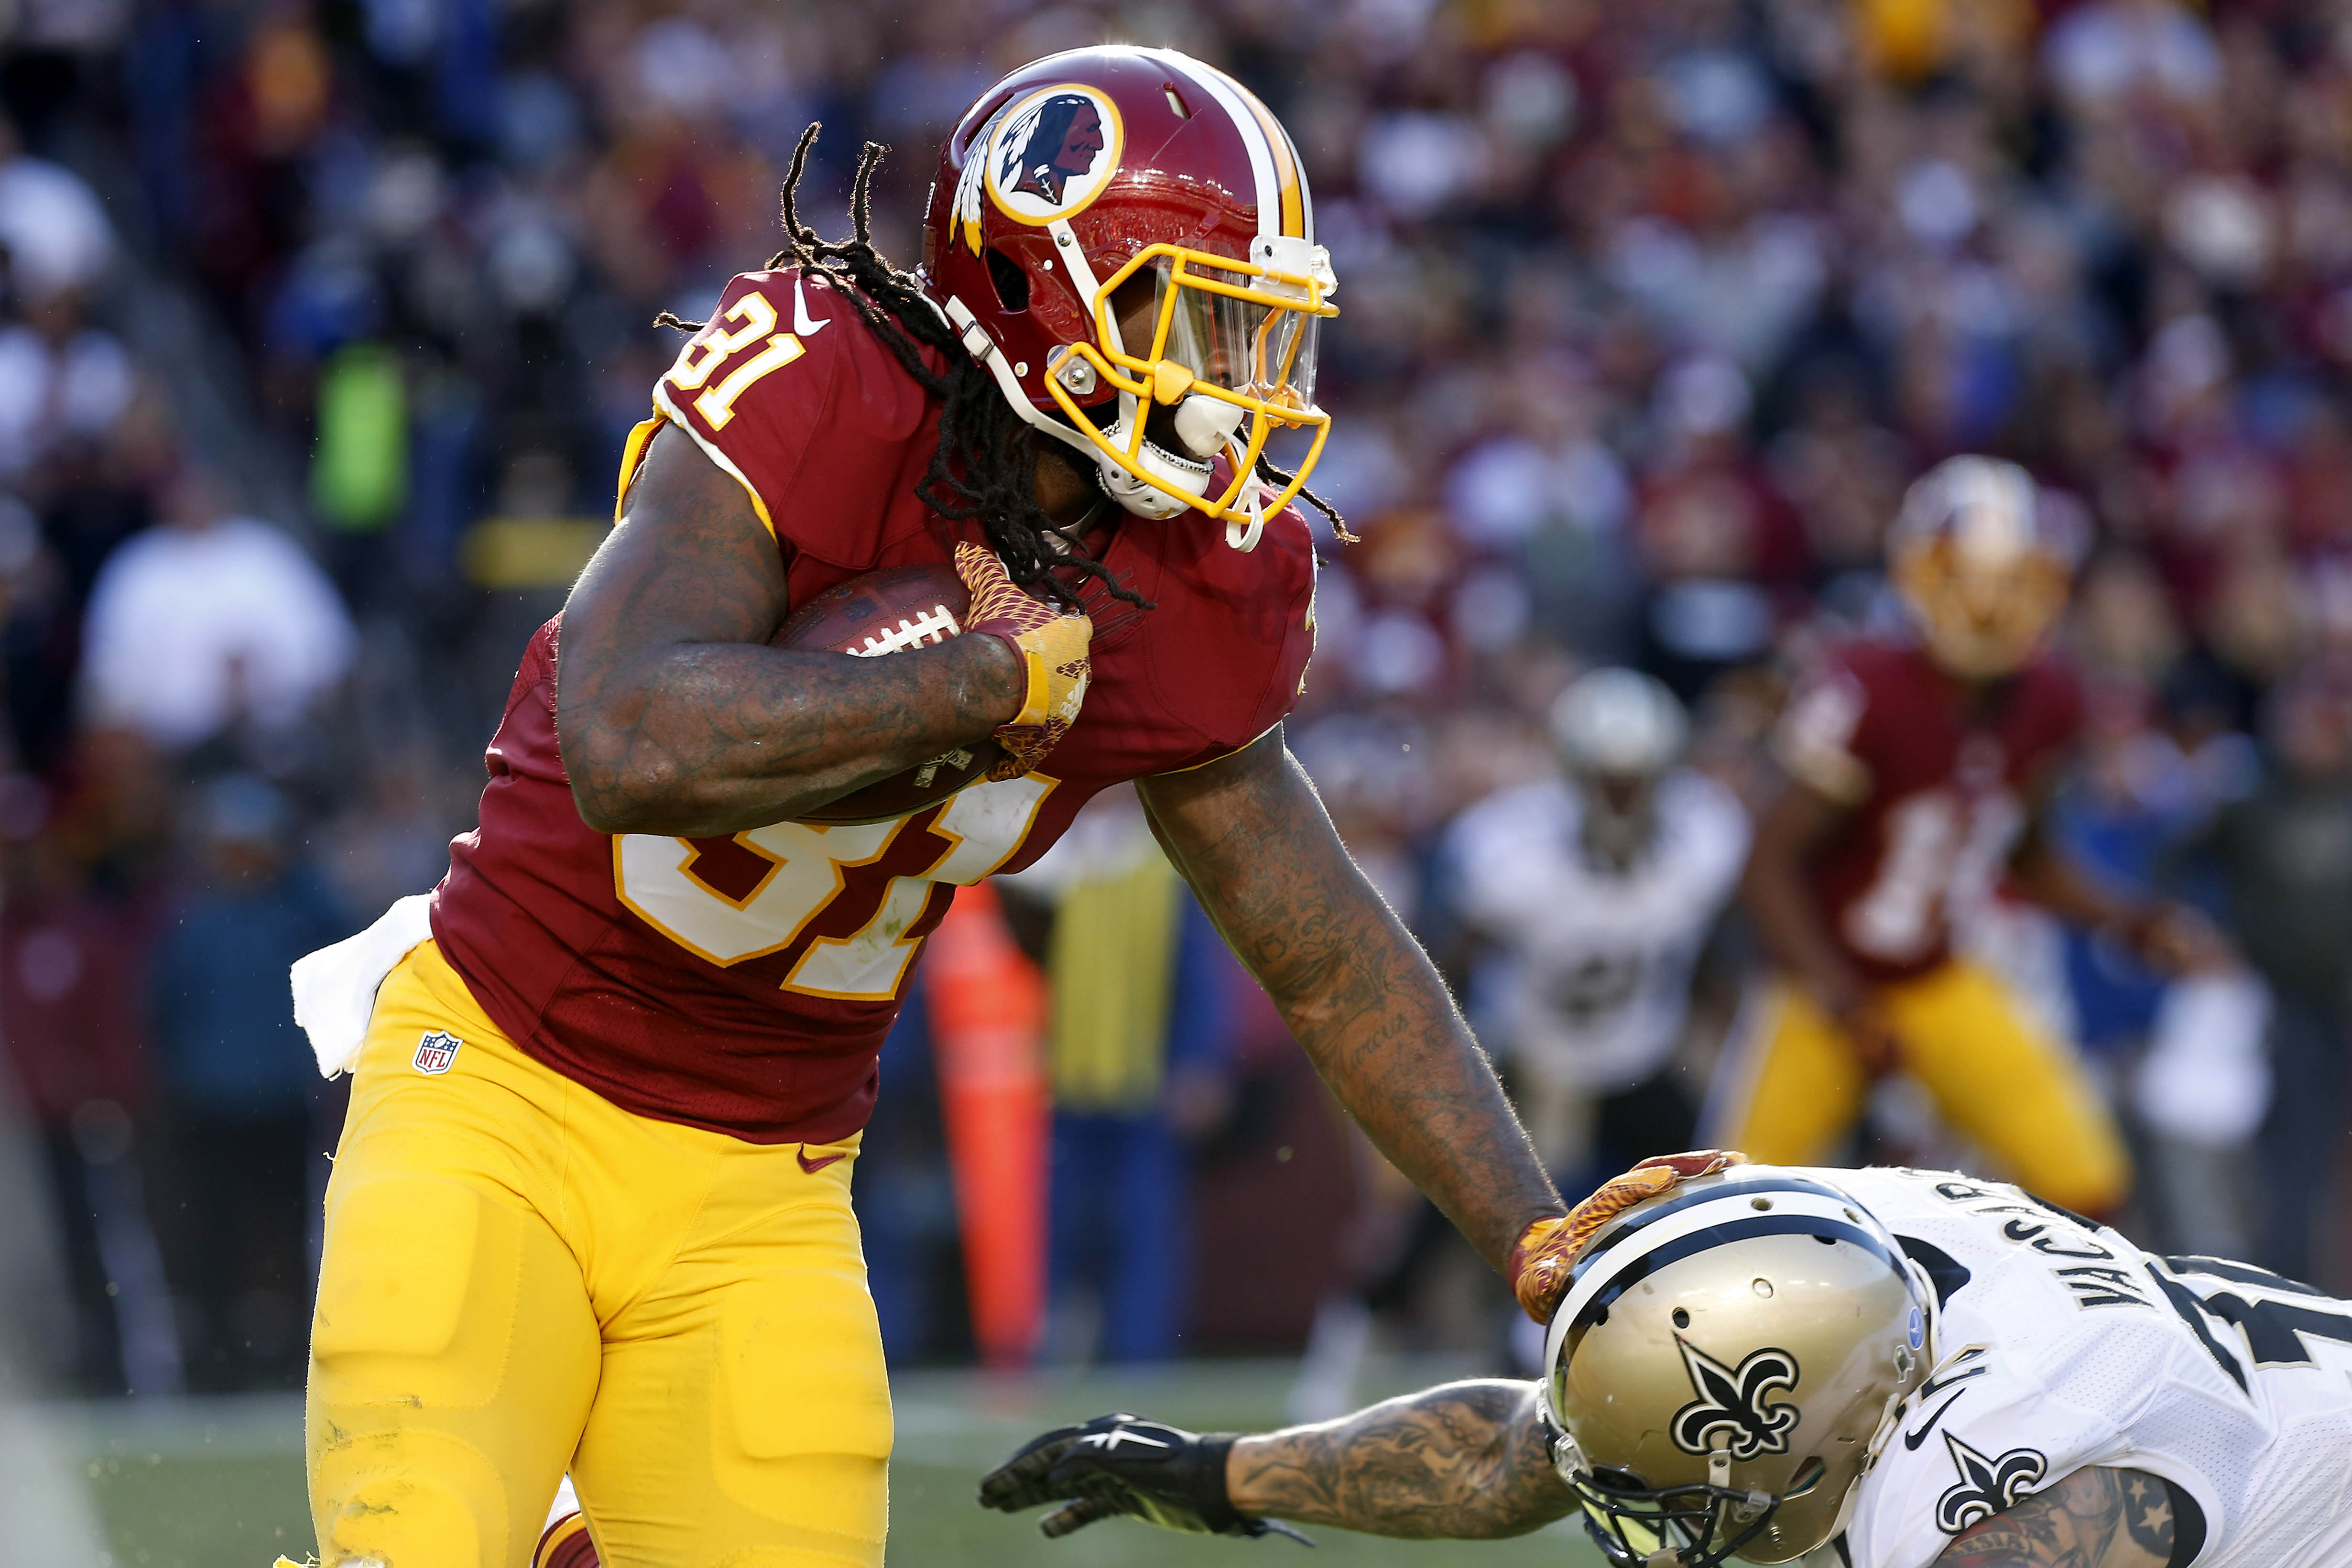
x=983, y=467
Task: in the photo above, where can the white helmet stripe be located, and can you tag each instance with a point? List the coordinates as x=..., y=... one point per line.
x=1221, y=87
x=1288, y=174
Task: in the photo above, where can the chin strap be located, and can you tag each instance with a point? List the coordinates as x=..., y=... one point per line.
x=1245, y=539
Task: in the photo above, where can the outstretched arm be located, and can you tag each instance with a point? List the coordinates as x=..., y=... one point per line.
x=673, y=714
x=1249, y=833
x=1465, y=1461
x=2096, y=1518
x=2172, y=939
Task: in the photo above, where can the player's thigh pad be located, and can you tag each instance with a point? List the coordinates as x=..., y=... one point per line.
x=2011, y=1085
x=1789, y=1085
x=801, y=1424
x=744, y=1414
x=453, y=1356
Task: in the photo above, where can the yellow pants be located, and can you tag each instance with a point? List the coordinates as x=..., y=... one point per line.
x=521, y=1278
x=1793, y=1084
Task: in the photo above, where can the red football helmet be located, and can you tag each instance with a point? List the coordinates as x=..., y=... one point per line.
x=1124, y=237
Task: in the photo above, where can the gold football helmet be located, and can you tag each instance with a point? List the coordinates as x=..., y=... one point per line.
x=1724, y=1365
x=1982, y=558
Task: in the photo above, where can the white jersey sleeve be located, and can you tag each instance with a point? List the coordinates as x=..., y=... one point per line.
x=2059, y=1344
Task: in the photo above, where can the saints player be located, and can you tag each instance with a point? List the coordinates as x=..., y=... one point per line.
x=1919, y=767
x=1891, y=1368
x=592, y=1203
x=1590, y=896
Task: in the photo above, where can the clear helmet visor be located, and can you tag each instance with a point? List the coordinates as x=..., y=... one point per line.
x=1259, y=348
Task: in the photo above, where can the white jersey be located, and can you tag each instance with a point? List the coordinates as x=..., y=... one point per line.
x=1594, y=987
x=2059, y=1345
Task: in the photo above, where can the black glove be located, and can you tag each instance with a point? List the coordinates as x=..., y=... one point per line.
x=1123, y=1464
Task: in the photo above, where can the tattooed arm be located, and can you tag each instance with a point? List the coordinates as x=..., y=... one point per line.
x=673, y=714
x=2096, y=1518
x=1466, y=1461
x=1250, y=835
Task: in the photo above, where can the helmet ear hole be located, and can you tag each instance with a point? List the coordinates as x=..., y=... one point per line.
x=1011, y=283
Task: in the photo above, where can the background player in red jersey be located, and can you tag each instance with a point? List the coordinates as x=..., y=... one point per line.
x=591, y=1208
x=1916, y=767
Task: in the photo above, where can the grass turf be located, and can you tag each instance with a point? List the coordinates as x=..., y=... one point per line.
x=218, y=1483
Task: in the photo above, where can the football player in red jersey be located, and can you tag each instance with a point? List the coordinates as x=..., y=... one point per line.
x=1917, y=767
x=591, y=1206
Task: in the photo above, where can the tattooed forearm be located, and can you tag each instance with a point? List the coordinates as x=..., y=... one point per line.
x=699, y=741
x=2096, y=1518
x=675, y=717
x=1466, y=1461
x=1358, y=993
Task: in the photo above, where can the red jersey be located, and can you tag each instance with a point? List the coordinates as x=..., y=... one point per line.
x=1933, y=779
x=745, y=984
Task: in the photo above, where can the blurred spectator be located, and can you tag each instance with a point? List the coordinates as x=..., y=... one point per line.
x=2285, y=854
x=210, y=622
x=1140, y=1024
x=54, y=231
x=244, y=1088
x=2141, y=790
x=60, y=381
x=2134, y=798
x=907, y=1201
x=71, y=966
x=2103, y=53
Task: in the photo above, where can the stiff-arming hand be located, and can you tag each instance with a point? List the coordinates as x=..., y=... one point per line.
x=1545, y=1255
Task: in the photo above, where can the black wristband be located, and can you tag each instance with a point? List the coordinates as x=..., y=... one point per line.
x=1211, y=1496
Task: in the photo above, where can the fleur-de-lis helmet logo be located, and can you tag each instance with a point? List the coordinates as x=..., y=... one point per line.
x=1987, y=1487
x=1734, y=1403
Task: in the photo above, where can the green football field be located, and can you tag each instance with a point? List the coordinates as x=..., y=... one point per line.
x=218, y=1483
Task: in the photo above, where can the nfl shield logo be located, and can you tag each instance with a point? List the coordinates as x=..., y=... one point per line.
x=435, y=1051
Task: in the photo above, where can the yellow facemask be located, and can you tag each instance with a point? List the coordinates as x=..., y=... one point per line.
x=1230, y=351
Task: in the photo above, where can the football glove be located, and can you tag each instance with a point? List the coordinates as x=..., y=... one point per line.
x=1123, y=1464
x=1051, y=647
x=1546, y=1252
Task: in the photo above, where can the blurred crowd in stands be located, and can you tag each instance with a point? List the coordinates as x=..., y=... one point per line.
x=324, y=321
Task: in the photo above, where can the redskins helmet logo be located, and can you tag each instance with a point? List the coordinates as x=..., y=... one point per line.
x=1732, y=1403
x=1047, y=155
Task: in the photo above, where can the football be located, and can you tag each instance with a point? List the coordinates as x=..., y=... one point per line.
x=882, y=613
